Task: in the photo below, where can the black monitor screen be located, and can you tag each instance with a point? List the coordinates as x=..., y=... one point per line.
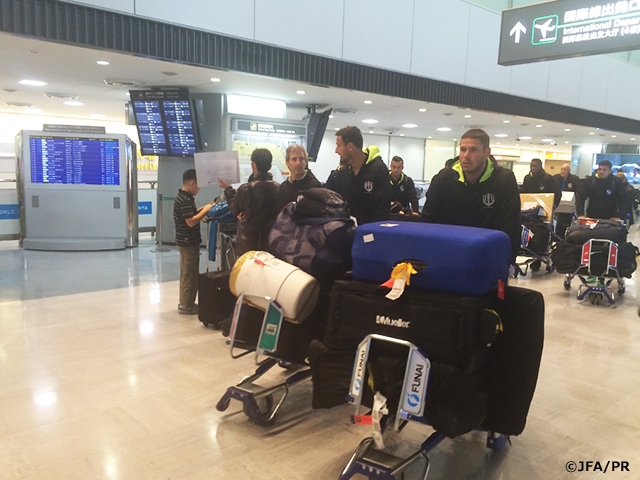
x=165, y=121
x=74, y=161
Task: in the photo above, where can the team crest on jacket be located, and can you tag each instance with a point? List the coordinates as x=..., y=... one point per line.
x=368, y=186
x=609, y=191
x=570, y=185
x=488, y=199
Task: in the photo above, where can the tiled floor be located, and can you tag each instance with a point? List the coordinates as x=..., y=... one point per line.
x=100, y=378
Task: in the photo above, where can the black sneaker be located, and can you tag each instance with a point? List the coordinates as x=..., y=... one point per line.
x=188, y=310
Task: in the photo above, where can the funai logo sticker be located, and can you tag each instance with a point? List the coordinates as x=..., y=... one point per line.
x=413, y=400
x=357, y=384
x=358, y=376
x=415, y=384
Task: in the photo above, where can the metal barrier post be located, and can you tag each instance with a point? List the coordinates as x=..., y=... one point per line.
x=159, y=247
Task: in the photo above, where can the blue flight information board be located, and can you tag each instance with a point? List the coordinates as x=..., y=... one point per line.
x=74, y=160
x=165, y=121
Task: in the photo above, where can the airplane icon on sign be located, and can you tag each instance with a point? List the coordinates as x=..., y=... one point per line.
x=545, y=29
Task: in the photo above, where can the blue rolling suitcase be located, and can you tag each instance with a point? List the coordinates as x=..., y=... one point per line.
x=462, y=260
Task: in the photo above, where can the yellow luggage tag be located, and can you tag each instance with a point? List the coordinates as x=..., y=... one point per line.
x=400, y=277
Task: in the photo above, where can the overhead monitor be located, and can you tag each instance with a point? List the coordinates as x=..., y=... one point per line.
x=316, y=126
x=568, y=28
x=165, y=121
x=73, y=160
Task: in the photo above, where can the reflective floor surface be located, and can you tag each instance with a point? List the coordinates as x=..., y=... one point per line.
x=100, y=378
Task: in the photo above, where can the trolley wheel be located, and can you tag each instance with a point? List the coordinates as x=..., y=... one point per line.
x=497, y=441
x=550, y=268
x=621, y=290
x=223, y=404
x=592, y=298
x=264, y=405
x=567, y=283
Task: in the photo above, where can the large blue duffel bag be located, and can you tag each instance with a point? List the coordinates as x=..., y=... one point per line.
x=454, y=259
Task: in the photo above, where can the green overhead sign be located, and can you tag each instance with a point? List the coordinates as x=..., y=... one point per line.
x=568, y=28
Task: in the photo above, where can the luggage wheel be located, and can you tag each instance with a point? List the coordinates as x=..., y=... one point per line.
x=496, y=441
x=567, y=283
x=259, y=409
x=549, y=268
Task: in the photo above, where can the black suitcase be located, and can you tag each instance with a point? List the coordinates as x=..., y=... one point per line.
x=451, y=329
x=603, y=230
x=215, y=300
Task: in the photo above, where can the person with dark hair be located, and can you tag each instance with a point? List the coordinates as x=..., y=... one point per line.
x=539, y=181
x=605, y=194
x=255, y=203
x=363, y=181
x=187, y=221
x=300, y=179
x=403, y=190
x=475, y=192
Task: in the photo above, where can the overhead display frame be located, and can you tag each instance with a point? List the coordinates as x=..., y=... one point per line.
x=568, y=28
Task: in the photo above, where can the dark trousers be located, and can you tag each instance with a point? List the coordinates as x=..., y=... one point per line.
x=514, y=360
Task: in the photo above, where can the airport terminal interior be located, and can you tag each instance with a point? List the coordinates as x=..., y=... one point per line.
x=102, y=378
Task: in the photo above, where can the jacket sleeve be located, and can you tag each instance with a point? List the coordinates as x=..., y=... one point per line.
x=556, y=189
x=238, y=205
x=623, y=198
x=383, y=195
x=582, y=194
x=413, y=196
x=526, y=184
x=331, y=181
x=433, y=201
x=509, y=212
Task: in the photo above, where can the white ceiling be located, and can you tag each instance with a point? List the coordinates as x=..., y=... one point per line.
x=73, y=71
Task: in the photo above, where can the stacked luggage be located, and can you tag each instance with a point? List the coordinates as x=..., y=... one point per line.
x=597, y=252
x=536, y=239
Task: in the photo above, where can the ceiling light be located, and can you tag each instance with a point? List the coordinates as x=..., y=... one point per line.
x=613, y=136
x=429, y=137
x=370, y=131
x=402, y=134
x=506, y=121
x=592, y=133
x=331, y=116
x=443, y=129
x=566, y=141
x=409, y=125
x=19, y=104
x=102, y=62
x=370, y=121
x=525, y=138
x=33, y=83
x=567, y=129
x=336, y=128
x=73, y=103
x=300, y=92
x=539, y=126
x=467, y=116
x=368, y=102
x=501, y=135
x=547, y=139
x=422, y=109
x=633, y=138
x=216, y=80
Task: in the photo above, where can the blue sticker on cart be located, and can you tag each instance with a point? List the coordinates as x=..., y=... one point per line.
x=415, y=384
x=9, y=212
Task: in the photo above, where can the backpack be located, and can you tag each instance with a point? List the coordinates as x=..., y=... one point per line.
x=315, y=234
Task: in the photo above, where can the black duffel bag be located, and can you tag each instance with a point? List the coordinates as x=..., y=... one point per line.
x=541, y=235
x=603, y=229
x=567, y=258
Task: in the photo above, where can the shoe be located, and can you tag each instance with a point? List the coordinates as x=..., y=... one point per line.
x=188, y=310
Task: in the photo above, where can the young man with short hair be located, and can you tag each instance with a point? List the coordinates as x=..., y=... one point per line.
x=403, y=190
x=187, y=221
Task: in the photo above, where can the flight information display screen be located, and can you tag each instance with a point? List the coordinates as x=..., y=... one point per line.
x=165, y=121
x=74, y=160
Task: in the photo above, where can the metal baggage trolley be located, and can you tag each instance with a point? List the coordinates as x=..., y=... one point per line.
x=260, y=403
x=602, y=287
x=374, y=462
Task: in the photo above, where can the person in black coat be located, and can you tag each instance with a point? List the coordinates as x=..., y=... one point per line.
x=300, y=178
x=628, y=201
x=539, y=181
x=403, y=190
x=605, y=192
x=567, y=183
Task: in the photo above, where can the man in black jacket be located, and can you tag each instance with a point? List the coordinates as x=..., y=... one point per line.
x=539, y=181
x=255, y=203
x=300, y=179
x=567, y=183
x=364, y=181
x=476, y=193
x=605, y=193
x=403, y=190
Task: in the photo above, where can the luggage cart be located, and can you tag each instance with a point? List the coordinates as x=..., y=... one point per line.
x=374, y=462
x=259, y=403
x=602, y=288
x=522, y=268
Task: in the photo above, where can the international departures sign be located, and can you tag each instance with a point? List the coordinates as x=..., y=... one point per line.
x=568, y=28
